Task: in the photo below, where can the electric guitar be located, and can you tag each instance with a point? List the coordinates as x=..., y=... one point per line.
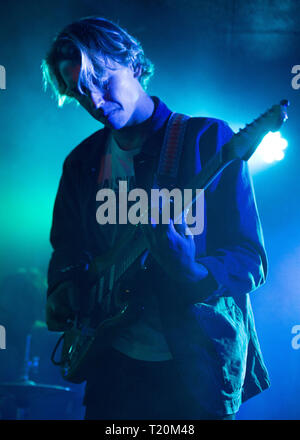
x=110, y=302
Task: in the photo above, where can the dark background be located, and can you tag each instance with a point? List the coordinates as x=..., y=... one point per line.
x=228, y=59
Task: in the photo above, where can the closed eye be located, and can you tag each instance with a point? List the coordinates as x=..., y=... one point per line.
x=102, y=84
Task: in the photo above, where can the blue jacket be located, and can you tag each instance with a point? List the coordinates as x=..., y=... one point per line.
x=210, y=329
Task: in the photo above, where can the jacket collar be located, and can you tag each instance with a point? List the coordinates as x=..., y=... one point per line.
x=159, y=118
x=150, y=148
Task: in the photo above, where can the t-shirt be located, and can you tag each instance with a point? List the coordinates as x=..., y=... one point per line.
x=143, y=339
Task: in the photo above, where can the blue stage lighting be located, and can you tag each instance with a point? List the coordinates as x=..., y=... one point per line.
x=271, y=148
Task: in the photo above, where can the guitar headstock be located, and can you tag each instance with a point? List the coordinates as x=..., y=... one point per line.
x=244, y=143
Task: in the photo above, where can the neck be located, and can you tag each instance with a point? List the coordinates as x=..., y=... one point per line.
x=134, y=135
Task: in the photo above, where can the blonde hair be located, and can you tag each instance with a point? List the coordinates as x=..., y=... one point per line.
x=93, y=42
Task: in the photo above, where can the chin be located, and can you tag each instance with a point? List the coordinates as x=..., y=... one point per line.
x=113, y=125
x=116, y=124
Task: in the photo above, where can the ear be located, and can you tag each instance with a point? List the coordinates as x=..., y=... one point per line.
x=137, y=71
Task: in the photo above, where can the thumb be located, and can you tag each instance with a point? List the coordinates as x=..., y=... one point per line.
x=180, y=228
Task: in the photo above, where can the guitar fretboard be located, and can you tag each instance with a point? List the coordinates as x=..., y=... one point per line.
x=137, y=248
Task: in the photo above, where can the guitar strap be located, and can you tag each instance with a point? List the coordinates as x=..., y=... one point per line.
x=166, y=175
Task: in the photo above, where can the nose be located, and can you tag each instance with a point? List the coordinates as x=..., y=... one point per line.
x=97, y=100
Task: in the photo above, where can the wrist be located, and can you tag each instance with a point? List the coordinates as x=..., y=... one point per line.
x=199, y=285
x=197, y=273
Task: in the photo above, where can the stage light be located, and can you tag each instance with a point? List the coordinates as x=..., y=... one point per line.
x=271, y=148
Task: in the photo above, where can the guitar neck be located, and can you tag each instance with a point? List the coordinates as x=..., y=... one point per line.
x=137, y=248
x=205, y=177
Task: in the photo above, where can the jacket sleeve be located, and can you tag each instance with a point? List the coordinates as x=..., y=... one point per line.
x=235, y=256
x=66, y=235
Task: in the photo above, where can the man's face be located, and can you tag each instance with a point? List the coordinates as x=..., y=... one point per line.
x=115, y=101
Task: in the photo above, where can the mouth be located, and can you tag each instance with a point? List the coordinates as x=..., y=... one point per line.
x=108, y=115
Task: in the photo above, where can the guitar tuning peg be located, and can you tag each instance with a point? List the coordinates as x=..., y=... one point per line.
x=285, y=102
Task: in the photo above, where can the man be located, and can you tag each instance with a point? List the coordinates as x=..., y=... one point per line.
x=193, y=353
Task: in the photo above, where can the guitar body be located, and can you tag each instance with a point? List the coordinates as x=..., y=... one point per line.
x=83, y=345
x=110, y=299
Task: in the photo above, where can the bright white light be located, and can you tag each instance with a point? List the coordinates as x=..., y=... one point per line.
x=271, y=148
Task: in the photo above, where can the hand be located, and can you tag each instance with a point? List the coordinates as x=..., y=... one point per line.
x=174, y=251
x=62, y=306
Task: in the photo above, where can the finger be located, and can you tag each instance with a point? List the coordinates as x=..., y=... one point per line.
x=179, y=228
x=58, y=319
